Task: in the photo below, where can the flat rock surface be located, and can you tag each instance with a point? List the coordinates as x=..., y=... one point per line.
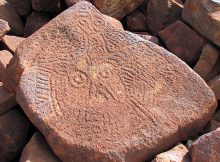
x=98, y=93
x=203, y=16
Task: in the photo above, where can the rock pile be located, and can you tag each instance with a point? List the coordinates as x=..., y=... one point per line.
x=98, y=82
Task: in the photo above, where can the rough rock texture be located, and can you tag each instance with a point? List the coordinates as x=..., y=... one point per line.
x=23, y=7
x=161, y=14
x=116, y=101
x=215, y=86
x=117, y=8
x=72, y=2
x=203, y=16
x=137, y=21
x=46, y=5
x=9, y=14
x=5, y=57
x=34, y=22
x=207, y=61
x=37, y=150
x=4, y=28
x=11, y=42
x=176, y=154
x=183, y=42
x=13, y=131
x=117, y=24
x=207, y=148
x=7, y=100
x=149, y=38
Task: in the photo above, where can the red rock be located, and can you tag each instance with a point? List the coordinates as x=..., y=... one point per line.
x=115, y=8
x=215, y=86
x=149, y=38
x=136, y=21
x=72, y=2
x=13, y=132
x=7, y=100
x=5, y=57
x=46, y=5
x=207, y=61
x=117, y=24
x=177, y=154
x=212, y=125
x=207, y=148
x=37, y=150
x=23, y=7
x=4, y=28
x=161, y=14
x=11, y=42
x=183, y=42
x=203, y=16
x=34, y=22
x=98, y=93
x=217, y=115
x=9, y=14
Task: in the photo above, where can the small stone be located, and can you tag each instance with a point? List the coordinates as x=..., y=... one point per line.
x=37, y=150
x=115, y=8
x=9, y=14
x=203, y=16
x=5, y=58
x=13, y=133
x=23, y=7
x=215, y=86
x=176, y=154
x=46, y=5
x=7, y=100
x=106, y=93
x=136, y=21
x=4, y=28
x=149, y=38
x=207, y=148
x=161, y=14
x=11, y=43
x=207, y=61
x=117, y=24
x=34, y=22
x=183, y=42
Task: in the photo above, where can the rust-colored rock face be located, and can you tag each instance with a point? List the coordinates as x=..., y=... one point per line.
x=203, y=16
x=37, y=150
x=117, y=8
x=207, y=148
x=183, y=42
x=98, y=93
x=4, y=28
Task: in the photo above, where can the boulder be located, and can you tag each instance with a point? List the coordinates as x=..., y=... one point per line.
x=5, y=58
x=4, y=28
x=203, y=16
x=23, y=7
x=161, y=14
x=206, y=148
x=34, y=22
x=9, y=14
x=215, y=86
x=207, y=61
x=114, y=22
x=136, y=21
x=183, y=42
x=98, y=93
x=177, y=154
x=46, y=5
x=11, y=43
x=13, y=133
x=37, y=150
x=7, y=100
x=115, y=8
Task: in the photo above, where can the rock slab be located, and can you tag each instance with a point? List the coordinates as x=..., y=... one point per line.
x=98, y=93
x=203, y=16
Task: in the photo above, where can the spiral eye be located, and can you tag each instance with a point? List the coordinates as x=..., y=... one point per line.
x=78, y=79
